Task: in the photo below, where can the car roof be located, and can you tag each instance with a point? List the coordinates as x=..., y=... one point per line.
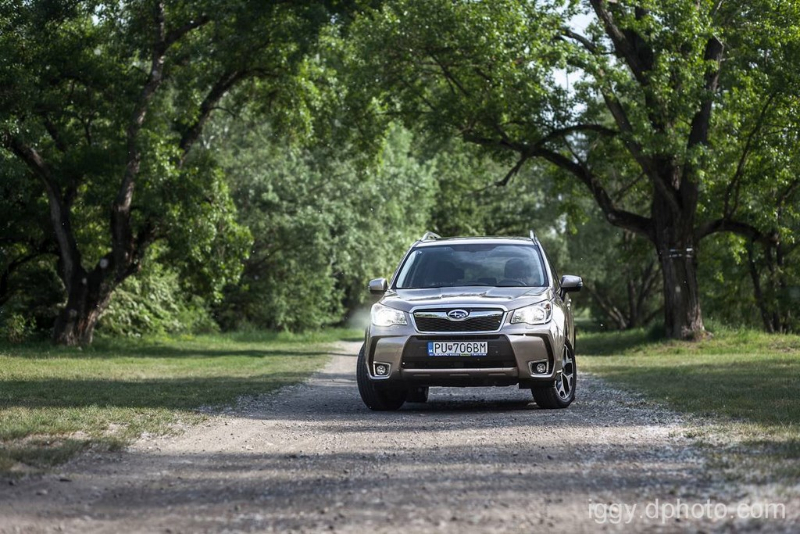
x=475, y=241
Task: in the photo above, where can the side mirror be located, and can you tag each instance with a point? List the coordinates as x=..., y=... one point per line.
x=378, y=286
x=571, y=283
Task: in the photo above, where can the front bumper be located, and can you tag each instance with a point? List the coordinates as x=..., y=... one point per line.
x=513, y=352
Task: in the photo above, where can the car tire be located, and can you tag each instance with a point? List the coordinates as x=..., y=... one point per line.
x=419, y=395
x=562, y=392
x=375, y=397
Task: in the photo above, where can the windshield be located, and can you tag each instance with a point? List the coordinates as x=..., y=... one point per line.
x=472, y=265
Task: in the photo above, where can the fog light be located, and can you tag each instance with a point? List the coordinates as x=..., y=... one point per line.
x=539, y=367
x=381, y=369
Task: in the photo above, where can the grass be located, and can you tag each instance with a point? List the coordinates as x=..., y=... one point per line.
x=744, y=386
x=55, y=402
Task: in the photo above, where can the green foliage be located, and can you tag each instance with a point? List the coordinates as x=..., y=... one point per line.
x=728, y=293
x=752, y=285
x=622, y=278
x=500, y=55
x=299, y=186
x=101, y=106
x=471, y=199
x=16, y=328
x=616, y=266
x=207, y=244
x=34, y=291
x=321, y=226
x=153, y=303
x=28, y=284
x=644, y=118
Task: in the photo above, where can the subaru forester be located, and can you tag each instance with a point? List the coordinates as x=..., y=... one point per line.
x=463, y=312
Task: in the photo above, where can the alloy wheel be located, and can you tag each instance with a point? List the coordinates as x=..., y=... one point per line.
x=565, y=383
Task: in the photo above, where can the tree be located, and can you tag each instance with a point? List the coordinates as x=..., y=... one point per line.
x=770, y=266
x=620, y=274
x=103, y=102
x=619, y=271
x=322, y=224
x=20, y=244
x=655, y=114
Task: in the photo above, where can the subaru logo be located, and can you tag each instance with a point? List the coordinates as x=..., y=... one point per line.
x=458, y=315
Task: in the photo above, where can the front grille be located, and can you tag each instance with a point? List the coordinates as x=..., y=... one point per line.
x=481, y=323
x=500, y=354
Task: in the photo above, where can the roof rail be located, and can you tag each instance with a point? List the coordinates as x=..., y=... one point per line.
x=533, y=236
x=430, y=236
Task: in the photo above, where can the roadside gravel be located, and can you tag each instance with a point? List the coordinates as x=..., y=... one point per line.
x=312, y=458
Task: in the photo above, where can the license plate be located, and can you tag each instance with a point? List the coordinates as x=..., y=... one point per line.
x=458, y=348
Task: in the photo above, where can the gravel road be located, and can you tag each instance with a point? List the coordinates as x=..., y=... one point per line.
x=312, y=458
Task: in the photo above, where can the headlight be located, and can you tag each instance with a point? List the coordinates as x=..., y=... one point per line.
x=534, y=314
x=385, y=316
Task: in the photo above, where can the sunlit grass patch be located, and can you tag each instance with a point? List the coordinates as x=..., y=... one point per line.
x=56, y=401
x=745, y=384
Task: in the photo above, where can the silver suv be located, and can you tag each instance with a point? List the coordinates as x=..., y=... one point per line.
x=483, y=311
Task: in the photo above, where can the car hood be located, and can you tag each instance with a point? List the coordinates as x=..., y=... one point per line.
x=507, y=298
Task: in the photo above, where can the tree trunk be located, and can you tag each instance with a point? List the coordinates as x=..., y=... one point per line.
x=755, y=276
x=633, y=311
x=88, y=296
x=784, y=311
x=675, y=243
x=682, y=316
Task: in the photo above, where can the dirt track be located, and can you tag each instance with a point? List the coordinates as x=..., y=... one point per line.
x=313, y=459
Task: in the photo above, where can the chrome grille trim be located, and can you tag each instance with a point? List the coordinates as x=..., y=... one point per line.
x=436, y=321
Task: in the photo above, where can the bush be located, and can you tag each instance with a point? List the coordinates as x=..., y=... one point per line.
x=155, y=303
x=16, y=328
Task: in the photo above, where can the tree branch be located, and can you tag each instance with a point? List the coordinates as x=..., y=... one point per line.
x=788, y=191
x=173, y=36
x=638, y=56
x=734, y=184
x=645, y=162
x=37, y=249
x=5, y=293
x=653, y=315
x=449, y=76
x=611, y=311
x=736, y=227
x=622, y=192
x=54, y=134
x=59, y=213
x=622, y=45
x=513, y=172
x=528, y=152
x=563, y=132
x=585, y=42
x=215, y=94
x=649, y=277
x=618, y=217
x=702, y=119
x=122, y=238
